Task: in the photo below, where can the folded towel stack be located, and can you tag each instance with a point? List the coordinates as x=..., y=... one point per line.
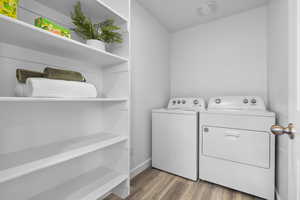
x=53, y=83
x=42, y=87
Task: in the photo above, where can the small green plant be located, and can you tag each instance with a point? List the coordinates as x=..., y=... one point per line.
x=104, y=31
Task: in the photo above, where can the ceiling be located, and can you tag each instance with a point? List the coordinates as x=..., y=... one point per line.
x=180, y=14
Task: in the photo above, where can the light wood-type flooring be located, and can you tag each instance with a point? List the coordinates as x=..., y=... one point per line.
x=153, y=184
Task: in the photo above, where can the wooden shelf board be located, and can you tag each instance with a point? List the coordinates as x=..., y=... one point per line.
x=16, y=164
x=18, y=33
x=89, y=186
x=97, y=9
x=31, y=99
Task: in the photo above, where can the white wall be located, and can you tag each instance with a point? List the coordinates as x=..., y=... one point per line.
x=223, y=57
x=278, y=84
x=150, y=80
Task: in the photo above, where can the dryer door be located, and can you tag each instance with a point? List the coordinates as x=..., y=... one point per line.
x=236, y=145
x=174, y=143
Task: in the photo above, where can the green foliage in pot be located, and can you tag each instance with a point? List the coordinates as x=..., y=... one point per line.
x=104, y=31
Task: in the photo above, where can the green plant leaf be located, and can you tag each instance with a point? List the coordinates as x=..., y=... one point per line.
x=105, y=31
x=84, y=27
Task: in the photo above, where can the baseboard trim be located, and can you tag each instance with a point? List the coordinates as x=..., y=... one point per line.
x=277, y=195
x=140, y=168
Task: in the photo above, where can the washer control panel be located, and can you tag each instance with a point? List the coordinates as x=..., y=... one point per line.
x=187, y=103
x=237, y=103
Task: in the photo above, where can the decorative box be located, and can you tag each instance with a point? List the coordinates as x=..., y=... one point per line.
x=9, y=8
x=48, y=25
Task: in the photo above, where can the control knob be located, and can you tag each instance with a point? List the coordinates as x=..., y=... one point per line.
x=218, y=101
x=253, y=101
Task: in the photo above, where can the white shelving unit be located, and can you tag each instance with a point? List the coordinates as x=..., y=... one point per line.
x=30, y=99
x=28, y=36
x=88, y=186
x=16, y=164
x=46, y=149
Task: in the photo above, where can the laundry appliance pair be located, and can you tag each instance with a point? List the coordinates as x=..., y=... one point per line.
x=228, y=142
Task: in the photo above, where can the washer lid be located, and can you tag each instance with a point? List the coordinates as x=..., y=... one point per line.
x=174, y=111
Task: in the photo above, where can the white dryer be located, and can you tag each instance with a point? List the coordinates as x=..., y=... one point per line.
x=236, y=148
x=175, y=137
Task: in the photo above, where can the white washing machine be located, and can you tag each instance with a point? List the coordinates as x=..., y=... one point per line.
x=175, y=137
x=236, y=148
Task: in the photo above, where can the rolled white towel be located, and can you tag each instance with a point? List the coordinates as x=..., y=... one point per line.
x=41, y=87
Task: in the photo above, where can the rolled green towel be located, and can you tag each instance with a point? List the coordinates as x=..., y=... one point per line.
x=23, y=74
x=53, y=73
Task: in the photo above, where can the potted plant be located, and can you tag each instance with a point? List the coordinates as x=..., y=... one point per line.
x=96, y=35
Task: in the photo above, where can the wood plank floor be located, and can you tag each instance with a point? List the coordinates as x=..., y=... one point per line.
x=153, y=184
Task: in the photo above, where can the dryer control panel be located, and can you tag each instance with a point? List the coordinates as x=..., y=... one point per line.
x=237, y=103
x=187, y=103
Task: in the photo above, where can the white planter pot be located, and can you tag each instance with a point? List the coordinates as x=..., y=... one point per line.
x=96, y=43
